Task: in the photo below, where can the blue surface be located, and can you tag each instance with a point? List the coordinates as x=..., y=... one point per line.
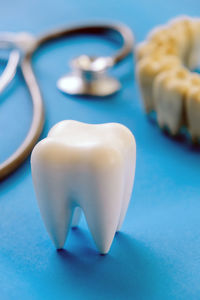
x=157, y=254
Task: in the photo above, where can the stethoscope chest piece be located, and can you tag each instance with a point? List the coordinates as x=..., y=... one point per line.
x=89, y=77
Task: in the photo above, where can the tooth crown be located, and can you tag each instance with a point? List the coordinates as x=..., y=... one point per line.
x=151, y=48
x=166, y=86
x=170, y=90
x=147, y=69
x=89, y=167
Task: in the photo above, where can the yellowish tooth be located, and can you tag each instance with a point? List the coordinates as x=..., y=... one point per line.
x=170, y=36
x=160, y=33
x=193, y=108
x=195, y=80
x=188, y=29
x=194, y=58
x=150, y=48
x=165, y=84
x=144, y=49
x=147, y=69
x=180, y=37
x=170, y=90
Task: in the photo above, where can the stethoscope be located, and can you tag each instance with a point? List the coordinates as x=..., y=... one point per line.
x=87, y=78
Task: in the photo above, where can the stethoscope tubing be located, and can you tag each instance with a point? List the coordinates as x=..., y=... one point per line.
x=15, y=160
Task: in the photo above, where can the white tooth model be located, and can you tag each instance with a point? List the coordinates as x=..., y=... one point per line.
x=164, y=64
x=84, y=167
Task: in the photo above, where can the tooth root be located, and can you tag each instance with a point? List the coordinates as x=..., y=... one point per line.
x=102, y=209
x=193, y=113
x=54, y=206
x=57, y=218
x=129, y=180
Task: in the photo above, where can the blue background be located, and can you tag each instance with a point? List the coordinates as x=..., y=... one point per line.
x=157, y=253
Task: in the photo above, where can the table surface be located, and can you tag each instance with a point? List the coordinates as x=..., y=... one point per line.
x=157, y=253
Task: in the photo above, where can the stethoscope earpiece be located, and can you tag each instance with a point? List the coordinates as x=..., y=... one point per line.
x=89, y=77
x=10, y=70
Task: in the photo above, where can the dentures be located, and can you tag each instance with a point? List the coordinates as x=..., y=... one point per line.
x=84, y=167
x=167, y=85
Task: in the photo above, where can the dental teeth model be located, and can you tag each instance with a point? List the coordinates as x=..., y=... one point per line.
x=84, y=167
x=164, y=64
